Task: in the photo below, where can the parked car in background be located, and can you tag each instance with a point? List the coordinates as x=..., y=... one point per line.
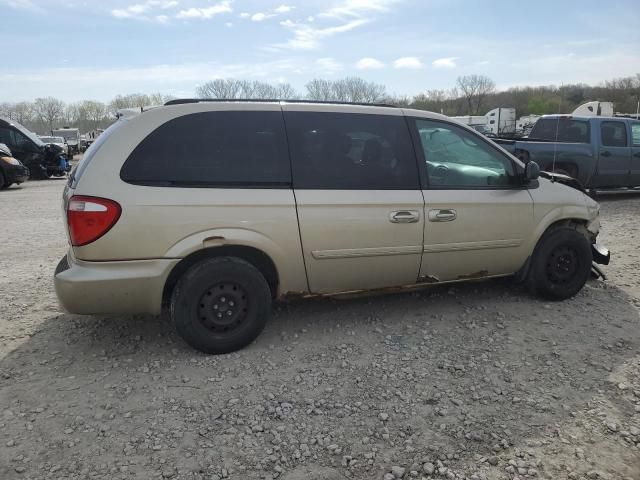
x=59, y=141
x=215, y=209
x=42, y=160
x=11, y=169
x=71, y=136
x=601, y=152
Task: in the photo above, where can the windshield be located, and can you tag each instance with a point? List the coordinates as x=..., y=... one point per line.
x=32, y=136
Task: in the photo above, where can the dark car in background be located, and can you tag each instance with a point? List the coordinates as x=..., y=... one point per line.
x=600, y=152
x=42, y=160
x=11, y=169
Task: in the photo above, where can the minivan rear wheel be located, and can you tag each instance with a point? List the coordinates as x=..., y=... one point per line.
x=561, y=263
x=221, y=305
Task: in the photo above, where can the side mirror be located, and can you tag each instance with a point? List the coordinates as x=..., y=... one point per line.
x=531, y=171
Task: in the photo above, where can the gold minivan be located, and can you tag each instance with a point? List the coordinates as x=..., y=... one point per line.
x=215, y=209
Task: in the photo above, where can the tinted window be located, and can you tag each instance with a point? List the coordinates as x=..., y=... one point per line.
x=635, y=133
x=240, y=148
x=456, y=158
x=564, y=129
x=351, y=151
x=614, y=134
x=15, y=140
x=6, y=137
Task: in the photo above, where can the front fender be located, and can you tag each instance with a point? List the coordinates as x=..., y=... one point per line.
x=564, y=213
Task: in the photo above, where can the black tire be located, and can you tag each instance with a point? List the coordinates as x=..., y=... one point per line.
x=221, y=305
x=3, y=183
x=561, y=263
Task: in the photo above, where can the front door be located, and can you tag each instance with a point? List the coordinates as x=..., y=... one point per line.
x=614, y=156
x=478, y=218
x=360, y=208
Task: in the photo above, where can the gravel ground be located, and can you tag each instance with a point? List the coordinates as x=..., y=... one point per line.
x=476, y=381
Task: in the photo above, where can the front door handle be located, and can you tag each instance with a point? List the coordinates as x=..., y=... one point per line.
x=446, y=215
x=404, y=216
x=606, y=153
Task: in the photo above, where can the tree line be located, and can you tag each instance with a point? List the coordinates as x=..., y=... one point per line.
x=471, y=95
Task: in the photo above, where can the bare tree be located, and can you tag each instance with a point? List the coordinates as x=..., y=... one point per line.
x=319, y=89
x=92, y=113
x=350, y=89
x=21, y=112
x=230, y=88
x=49, y=110
x=71, y=114
x=475, y=89
x=137, y=100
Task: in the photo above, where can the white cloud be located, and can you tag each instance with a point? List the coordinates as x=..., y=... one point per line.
x=228, y=24
x=446, y=63
x=245, y=15
x=259, y=17
x=142, y=11
x=369, y=63
x=306, y=37
x=355, y=8
x=407, y=62
x=22, y=4
x=206, y=12
x=283, y=9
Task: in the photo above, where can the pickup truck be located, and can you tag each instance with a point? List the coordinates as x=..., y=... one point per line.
x=600, y=152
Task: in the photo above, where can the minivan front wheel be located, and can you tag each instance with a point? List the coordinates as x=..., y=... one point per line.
x=221, y=305
x=561, y=263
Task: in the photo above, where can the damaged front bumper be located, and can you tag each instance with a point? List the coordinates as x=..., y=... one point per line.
x=602, y=256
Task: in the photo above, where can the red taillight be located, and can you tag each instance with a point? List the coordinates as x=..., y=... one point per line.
x=89, y=218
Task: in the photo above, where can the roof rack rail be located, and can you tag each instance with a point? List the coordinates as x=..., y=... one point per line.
x=182, y=101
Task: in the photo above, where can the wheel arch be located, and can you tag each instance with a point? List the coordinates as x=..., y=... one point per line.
x=254, y=256
x=579, y=223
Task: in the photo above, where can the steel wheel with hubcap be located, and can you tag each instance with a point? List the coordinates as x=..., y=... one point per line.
x=561, y=263
x=221, y=304
x=223, y=307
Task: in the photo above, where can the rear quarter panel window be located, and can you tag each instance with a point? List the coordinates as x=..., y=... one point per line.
x=226, y=148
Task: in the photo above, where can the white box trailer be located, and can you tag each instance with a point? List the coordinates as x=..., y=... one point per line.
x=71, y=136
x=501, y=120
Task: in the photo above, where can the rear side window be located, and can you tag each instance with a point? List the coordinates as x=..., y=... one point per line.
x=614, y=134
x=216, y=149
x=347, y=151
x=563, y=129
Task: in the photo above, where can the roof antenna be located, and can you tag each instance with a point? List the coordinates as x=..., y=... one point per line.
x=555, y=143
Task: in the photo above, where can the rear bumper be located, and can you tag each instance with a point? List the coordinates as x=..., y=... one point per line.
x=111, y=287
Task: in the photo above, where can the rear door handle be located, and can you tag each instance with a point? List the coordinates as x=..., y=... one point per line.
x=446, y=215
x=404, y=216
x=606, y=153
